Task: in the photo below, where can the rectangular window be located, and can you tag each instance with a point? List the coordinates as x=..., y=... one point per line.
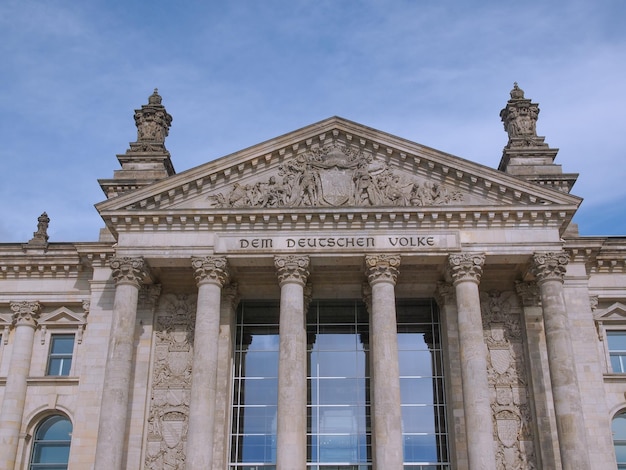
x=60, y=358
x=617, y=350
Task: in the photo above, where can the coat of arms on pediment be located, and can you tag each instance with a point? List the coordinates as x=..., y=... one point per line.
x=335, y=176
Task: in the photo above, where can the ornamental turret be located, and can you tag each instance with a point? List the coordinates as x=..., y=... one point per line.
x=147, y=160
x=526, y=155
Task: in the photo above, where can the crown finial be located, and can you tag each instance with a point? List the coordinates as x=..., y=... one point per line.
x=155, y=98
x=517, y=93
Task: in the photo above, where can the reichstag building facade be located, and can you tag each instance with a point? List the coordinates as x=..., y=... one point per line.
x=336, y=298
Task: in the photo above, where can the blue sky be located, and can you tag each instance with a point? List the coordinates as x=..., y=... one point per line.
x=235, y=73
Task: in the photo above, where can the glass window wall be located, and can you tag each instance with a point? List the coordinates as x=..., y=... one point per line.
x=338, y=419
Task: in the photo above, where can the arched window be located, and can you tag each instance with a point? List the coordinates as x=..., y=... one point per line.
x=51, y=447
x=619, y=439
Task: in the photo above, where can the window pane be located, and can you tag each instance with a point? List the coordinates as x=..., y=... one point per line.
x=617, y=340
x=51, y=447
x=62, y=344
x=60, y=359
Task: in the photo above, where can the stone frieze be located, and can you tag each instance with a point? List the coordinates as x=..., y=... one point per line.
x=335, y=176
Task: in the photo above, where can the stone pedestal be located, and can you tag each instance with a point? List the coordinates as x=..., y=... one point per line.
x=128, y=274
x=382, y=273
x=292, y=364
x=25, y=315
x=549, y=270
x=465, y=270
x=211, y=274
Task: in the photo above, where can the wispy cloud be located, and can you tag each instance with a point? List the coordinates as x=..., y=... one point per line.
x=236, y=73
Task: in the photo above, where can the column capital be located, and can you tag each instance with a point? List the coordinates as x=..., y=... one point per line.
x=210, y=269
x=465, y=267
x=549, y=266
x=382, y=268
x=528, y=292
x=127, y=270
x=26, y=313
x=292, y=268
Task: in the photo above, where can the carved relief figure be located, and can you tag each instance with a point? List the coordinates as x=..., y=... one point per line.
x=335, y=176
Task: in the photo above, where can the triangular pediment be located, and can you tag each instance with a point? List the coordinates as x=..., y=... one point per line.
x=338, y=165
x=615, y=312
x=62, y=316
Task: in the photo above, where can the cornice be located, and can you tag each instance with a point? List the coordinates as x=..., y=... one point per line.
x=600, y=254
x=64, y=260
x=440, y=218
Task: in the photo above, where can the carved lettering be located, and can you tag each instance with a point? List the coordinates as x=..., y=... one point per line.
x=412, y=241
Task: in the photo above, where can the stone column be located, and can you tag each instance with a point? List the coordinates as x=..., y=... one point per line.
x=211, y=274
x=382, y=273
x=549, y=270
x=223, y=400
x=465, y=271
x=25, y=320
x=128, y=274
x=292, y=364
x=543, y=421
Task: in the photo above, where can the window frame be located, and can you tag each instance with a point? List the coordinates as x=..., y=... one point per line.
x=63, y=356
x=41, y=443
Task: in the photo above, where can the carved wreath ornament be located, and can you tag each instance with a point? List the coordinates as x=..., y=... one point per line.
x=335, y=176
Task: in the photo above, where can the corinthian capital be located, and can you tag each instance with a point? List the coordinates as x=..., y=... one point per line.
x=291, y=268
x=382, y=268
x=465, y=267
x=129, y=270
x=211, y=269
x=26, y=313
x=549, y=266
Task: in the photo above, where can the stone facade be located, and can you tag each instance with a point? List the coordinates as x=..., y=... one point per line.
x=137, y=339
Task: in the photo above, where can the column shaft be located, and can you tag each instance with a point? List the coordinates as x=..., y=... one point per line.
x=112, y=429
x=292, y=365
x=223, y=396
x=386, y=410
x=211, y=275
x=465, y=271
x=15, y=389
x=549, y=269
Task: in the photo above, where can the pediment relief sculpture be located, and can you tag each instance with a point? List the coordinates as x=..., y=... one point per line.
x=336, y=176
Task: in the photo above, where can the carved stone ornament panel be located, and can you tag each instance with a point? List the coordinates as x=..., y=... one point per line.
x=508, y=383
x=336, y=176
x=171, y=383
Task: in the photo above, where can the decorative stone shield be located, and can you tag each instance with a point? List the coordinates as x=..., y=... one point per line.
x=507, y=426
x=173, y=425
x=336, y=185
x=500, y=359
